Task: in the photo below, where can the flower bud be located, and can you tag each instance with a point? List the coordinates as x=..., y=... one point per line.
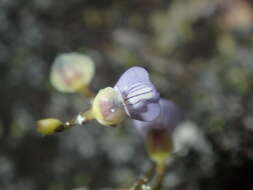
x=49, y=126
x=107, y=107
x=71, y=72
x=159, y=145
x=138, y=95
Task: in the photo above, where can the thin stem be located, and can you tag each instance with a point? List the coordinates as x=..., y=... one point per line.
x=79, y=120
x=143, y=180
x=87, y=115
x=146, y=178
x=161, y=171
x=87, y=92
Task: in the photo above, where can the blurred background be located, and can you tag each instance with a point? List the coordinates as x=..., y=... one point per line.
x=199, y=54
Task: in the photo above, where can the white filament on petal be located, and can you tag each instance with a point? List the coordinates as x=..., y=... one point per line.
x=143, y=92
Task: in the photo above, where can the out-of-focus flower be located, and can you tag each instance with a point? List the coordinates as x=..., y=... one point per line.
x=158, y=133
x=236, y=16
x=188, y=136
x=168, y=119
x=138, y=95
x=72, y=72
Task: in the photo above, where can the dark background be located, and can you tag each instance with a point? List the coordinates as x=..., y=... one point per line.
x=199, y=54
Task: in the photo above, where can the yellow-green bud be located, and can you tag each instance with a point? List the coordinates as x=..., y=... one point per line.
x=49, y=126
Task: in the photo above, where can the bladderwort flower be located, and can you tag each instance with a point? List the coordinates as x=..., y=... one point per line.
x=133, y=95
x=72, y=72
x=138, y=95
x=158, y=133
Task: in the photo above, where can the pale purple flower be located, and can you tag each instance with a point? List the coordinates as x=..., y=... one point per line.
x=139, y=96
x=168, y=119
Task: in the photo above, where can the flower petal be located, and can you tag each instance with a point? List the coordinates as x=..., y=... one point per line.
x=168, y=119
x=139, y=95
